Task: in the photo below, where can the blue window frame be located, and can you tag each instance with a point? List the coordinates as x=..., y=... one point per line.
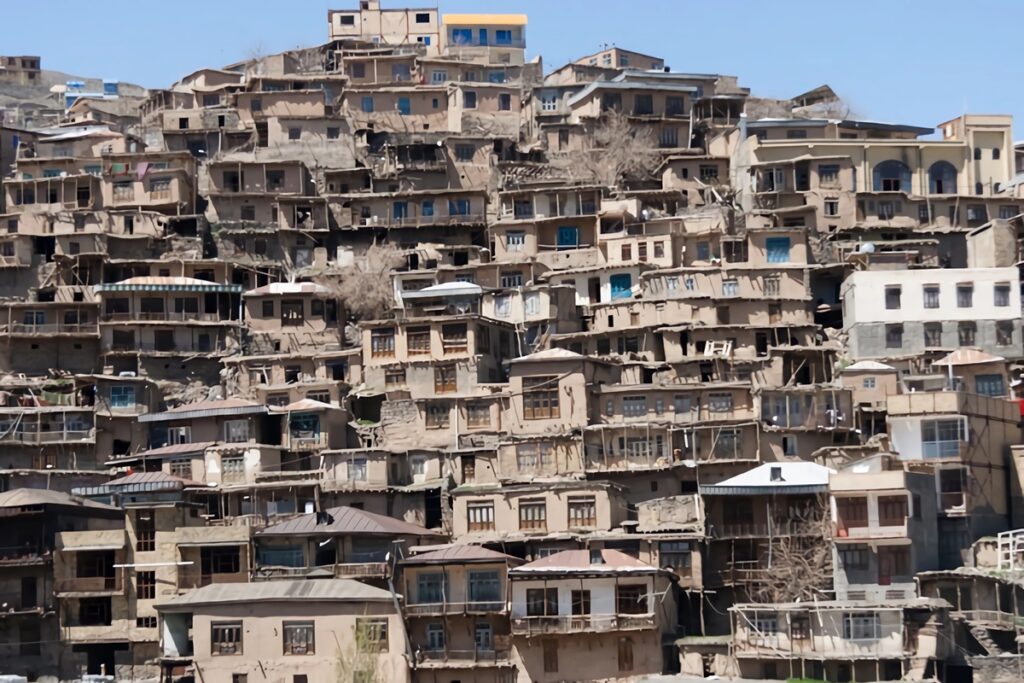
x=891, y=176
x=122, y=397
x=399, y=210
x=989, y=385
x=404, y=108
x=496, y=76
x=462, y=36
x=777, y=249
x=622, y=285
x=502, y=37
x=368, y=103
x=568, y=237
x=427, y=207
x=483, y=36
x=458, y=207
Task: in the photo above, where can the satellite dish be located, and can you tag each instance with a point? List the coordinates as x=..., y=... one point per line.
x=866, y=248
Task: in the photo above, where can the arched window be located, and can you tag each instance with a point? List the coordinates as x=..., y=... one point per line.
x=892, y=176
x=942, y=178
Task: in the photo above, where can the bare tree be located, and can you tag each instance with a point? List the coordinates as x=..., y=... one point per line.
x=800, y=560
x=359, y=662
x=365, y=286
x=616, y=151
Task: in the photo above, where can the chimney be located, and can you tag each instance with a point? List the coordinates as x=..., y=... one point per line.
x=596, y=557
x=777, y=473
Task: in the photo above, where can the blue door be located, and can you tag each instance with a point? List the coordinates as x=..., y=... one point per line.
x=777, y=249
x=568, y=237
x=622, y=286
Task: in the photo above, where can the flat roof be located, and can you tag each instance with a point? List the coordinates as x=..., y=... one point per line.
x=486, y=19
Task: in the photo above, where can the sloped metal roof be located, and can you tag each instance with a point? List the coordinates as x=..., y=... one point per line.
x=343, y=521
x=461, y=554
x=299, y=590
x=16, y=498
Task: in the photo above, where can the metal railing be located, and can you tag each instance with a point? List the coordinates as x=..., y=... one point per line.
x=425, y=608
x=51, y=328
x=479, y=656
x=168, y=316
x=423, y=221
x=56, y=436
x=23, y=553
x=573, y=623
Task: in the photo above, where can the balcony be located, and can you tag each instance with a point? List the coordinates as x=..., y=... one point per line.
x=741, y=573
x=55, y=435
x=463, y=658
x=593, y=623
x=762, y=529
x=424, y=221
x=20, y=555
x=886, y=528
x=341, y=570
x=89, y=584
x=645, y=459
x=439, y=608
x=164, y=316
x=51, y=328
x=15, y=603
x=307, y=441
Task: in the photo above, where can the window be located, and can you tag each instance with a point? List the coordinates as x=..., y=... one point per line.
x=643, y=105
x=226, y=638
x=582, y=512
x=1004, y=333
x=394, y=377
x=382, y=343
x=942, y=178
x=1001, y=294
x=799, y=626
x=431, y=588
x=403, y=106
x=682, y=404
x=372, y=634
x=777, y=249
x=540, y=398
x=435, y=637
x=965, y=295
x=853, y=512
x=458, y=207
x=422, y=17
x=454, y=338
x=122, y=191
x=894, y=336
x=631, y=599
x=359, y=70
x=853, y=557
x=967, y=332
x=122, y=396
x=933, y=334
x=719, y=402
x=892, y=176
x=511, y=279
x=145, y=531
x=504, y=102
x=977, y=213
x=333, y=132
x=626, y=252
x=580, y=600
x=438, y=415
x=469, y=99
x=478, y=415
x=730, y=287
x=160, y=188
x=892, y=510
x=675, y=106
x=298, y=638
x=831, y=207
x=861, y=626
x=480, y=516
x=367, y=103
x=989, y=385
x=347, y=19
x=357, y=469
x=438, y=76
x=676, y=555
x=531, y=303
x=464, y=152
x=868, y=383
x=533, y=515
x=145, y=585
x=942, y=438
x=294, y=133
x=625, y=654
x=444, y=379
x=930, y=296
x=634, y=406
x=418, y=341
x=977, y=153
x=828, y=174
x=1008, y=212
x=541, y=602
x=236, y=431
x=892, y=297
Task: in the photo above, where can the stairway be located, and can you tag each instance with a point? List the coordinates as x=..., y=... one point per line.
x=981, y=635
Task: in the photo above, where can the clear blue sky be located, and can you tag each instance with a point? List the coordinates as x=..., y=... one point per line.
x=894, y=60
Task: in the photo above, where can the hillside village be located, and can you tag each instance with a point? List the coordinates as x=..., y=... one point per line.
x=408, y=358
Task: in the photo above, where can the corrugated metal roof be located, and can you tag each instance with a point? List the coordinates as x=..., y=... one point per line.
x=345, y=520
x=275, y=288
x=460, y=554
x=230, y=406
x=968, y=356
x=16, y=498
x=781, y=477
x=164, y=452
x=298, y=590
x=575, y=561
x=166, y=284
x=152, y=478
x=305, y=404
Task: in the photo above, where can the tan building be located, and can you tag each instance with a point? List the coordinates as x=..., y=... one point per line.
x=313, y=630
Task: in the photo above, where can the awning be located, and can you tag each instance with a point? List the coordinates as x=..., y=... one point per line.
x=83, y=548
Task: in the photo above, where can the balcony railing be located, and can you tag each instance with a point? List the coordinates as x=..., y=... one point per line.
x=742, y=573
x=576, y=623
x=165, y=316
x=24, y=554
x=953, y=502
x=51, y=328
x=886, y=528
x=762, y=529
x=15, y=602
x=341, y=570
x=423, y=221
x=89, y=584
x=478, y=656
x=300, y=441
x=472, y=607
x=56, y=435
